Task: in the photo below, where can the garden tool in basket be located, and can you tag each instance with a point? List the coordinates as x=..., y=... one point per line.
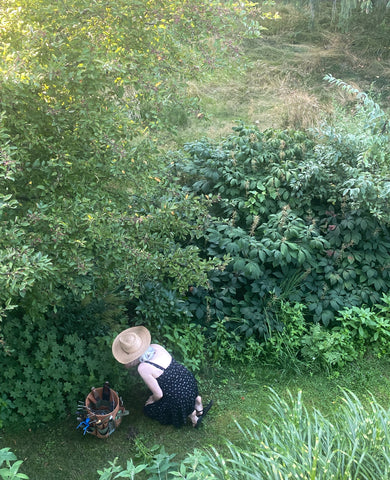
x=102, y=412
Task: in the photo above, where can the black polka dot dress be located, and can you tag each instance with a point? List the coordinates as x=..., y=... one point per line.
x=179, y=389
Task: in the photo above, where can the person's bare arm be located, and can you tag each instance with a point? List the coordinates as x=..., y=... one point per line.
x=145, y=372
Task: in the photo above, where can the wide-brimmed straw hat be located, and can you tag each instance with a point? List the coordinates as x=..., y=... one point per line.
x=131, y=344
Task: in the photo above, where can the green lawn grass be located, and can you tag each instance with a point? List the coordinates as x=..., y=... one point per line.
x=59, y=451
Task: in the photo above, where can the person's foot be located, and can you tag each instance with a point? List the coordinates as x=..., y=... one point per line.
x=194, y=418
x=199, y=415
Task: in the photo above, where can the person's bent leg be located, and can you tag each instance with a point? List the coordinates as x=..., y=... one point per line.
x=198, y=405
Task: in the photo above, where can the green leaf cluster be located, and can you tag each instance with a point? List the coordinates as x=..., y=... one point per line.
x=51, y=364
x=303, y=216
x=9, y=465
x=82, y=87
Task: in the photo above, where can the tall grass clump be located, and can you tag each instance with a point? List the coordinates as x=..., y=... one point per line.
x=354, y=445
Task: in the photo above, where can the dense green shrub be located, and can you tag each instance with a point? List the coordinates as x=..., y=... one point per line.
x=166, y=314
x=328, y=348
x=302, y=216
x=358, y=331
x=82, y=207
x=79, y=96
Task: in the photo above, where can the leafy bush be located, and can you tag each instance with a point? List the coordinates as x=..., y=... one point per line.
x=166, y=314
x=328, y=348
x=302, y=217
x=368, y=330
x=158, y=305
x=358, y=331
x=79, y=97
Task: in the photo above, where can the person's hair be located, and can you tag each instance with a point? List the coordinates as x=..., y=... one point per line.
x=147, y=355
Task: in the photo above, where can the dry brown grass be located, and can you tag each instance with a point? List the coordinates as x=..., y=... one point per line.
x=282, y=83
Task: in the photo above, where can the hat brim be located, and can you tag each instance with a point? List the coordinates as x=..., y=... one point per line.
x=123, y=357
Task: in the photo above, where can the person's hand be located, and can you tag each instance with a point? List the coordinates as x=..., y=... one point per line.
x=149, y=400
